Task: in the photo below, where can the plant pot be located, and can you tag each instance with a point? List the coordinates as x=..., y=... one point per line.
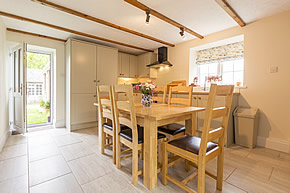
x=146, y=100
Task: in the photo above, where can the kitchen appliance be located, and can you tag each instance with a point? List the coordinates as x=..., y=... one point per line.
x=162, y=59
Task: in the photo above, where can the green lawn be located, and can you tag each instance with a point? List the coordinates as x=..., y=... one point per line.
x=34, y=116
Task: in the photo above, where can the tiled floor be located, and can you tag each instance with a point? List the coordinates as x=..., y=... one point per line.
x=56, y=161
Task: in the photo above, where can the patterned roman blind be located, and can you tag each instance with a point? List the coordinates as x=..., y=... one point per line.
x=221, y=53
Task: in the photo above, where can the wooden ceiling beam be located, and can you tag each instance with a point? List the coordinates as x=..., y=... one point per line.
x=162, y=17
x=34, y=34
x=100, y=21
x=72, y=31
x=226, y=6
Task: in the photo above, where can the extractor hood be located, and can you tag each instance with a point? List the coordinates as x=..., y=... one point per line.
x=162, y=59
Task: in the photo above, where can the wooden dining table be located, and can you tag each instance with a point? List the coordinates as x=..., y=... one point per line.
x=153, y=117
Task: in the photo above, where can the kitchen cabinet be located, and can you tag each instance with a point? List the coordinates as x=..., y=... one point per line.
x=87, y=65
x=124, y=65
x=143, y=60
x=107, y=60
x=133, y=66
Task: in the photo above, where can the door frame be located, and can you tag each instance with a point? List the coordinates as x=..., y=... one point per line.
x=52, y=55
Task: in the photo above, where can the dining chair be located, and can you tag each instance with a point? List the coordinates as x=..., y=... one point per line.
x=107, y=119
x=175, y=130
x=133, y=138
x=159, y=99
x=199, y=151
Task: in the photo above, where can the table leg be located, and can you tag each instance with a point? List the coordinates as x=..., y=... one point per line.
x=190, y=125
x=150, y=153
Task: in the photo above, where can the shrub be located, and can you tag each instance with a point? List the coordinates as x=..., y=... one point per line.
x=47, y=105
x=42, y=103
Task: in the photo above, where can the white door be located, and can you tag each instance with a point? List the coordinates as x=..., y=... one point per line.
x=19, y=88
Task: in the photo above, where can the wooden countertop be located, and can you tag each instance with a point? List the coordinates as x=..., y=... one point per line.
x=193, y=92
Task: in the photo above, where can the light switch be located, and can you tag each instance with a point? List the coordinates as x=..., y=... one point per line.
x=274, y=69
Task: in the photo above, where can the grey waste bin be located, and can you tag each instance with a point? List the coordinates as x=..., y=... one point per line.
x=246, y=126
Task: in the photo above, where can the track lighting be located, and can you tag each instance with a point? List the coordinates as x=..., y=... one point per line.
x=147, y=16
x=182, y=32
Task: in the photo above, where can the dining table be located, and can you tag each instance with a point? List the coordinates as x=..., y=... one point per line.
x=151, y=118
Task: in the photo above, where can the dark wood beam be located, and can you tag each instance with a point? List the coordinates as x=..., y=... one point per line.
x=71, y=31
x=34, y=34
x=97, y=20
x=226, y=6
x=162, y=17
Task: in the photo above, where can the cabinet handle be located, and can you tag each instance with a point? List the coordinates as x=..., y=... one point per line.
x=194, y=98
x=95, y=80
x=98, y=80
x=199, y=98
x=95, y=95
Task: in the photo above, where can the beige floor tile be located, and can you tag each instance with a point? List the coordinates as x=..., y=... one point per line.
x=280, y=178
x=91, y=139
x=76, y=150
x=284, y=156
x=84, y=132
x=211, y=166
x=66, y=140
x=265, y=152
x=39, y=133
x=16, y=139
x=13, y=151
x=40, y=140
x=42, y=151
x=89, y=168
x=59, y=132
x=252, y=183
x=273, y=162
x=108, y=153
x=12, y=168
x=63, y=184
x=111, y=183
x=237, y=150
x=47, y=169
x=250, y=165
x=15, y=185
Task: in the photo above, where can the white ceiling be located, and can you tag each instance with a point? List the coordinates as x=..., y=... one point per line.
x=202, y=16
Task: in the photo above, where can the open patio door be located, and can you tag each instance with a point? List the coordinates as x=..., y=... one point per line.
x=19, y=87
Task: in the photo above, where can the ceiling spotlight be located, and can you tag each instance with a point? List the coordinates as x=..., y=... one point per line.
x=147, y=16
x=182, y=33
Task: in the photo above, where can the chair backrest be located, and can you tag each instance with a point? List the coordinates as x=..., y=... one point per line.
x=125, y=110
x=210, y=134
x=105, y=104
x=187, y=90
x=160, y=90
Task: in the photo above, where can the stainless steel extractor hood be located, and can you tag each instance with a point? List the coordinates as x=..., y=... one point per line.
x=162, y=59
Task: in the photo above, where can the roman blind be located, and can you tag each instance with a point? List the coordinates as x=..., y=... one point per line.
x=222, y=53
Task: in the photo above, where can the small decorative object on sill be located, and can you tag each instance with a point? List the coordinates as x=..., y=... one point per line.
x=147, y=90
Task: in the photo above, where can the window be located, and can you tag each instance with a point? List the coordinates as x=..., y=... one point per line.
x=30, y=89
x=38, y=89
x=232, y=71
x=225, y=61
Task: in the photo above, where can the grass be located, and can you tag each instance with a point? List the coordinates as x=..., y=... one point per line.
x=34, y=116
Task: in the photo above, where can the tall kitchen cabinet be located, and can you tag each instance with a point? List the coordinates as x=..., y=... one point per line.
x=143, y=60
x=87, y=65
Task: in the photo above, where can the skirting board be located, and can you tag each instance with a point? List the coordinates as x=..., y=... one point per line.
x=4, y=139
x=59, y=124
x=83, y=126
x=275, y=144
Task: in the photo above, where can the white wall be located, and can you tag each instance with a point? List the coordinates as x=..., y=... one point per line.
x=267, y=44
x=4, y=89
x=59, y=69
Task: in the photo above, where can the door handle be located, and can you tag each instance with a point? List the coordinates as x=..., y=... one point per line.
x=21, y=89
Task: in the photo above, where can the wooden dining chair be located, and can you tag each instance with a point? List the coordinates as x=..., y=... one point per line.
x=175, y=130
x=199, y=151
x=107, y=119
x=125, y=115
x=159, y=99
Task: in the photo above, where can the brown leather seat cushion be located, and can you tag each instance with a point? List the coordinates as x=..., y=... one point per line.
x=172, y=129
x=109, y=126
x=191, y=144
x=127, y=134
